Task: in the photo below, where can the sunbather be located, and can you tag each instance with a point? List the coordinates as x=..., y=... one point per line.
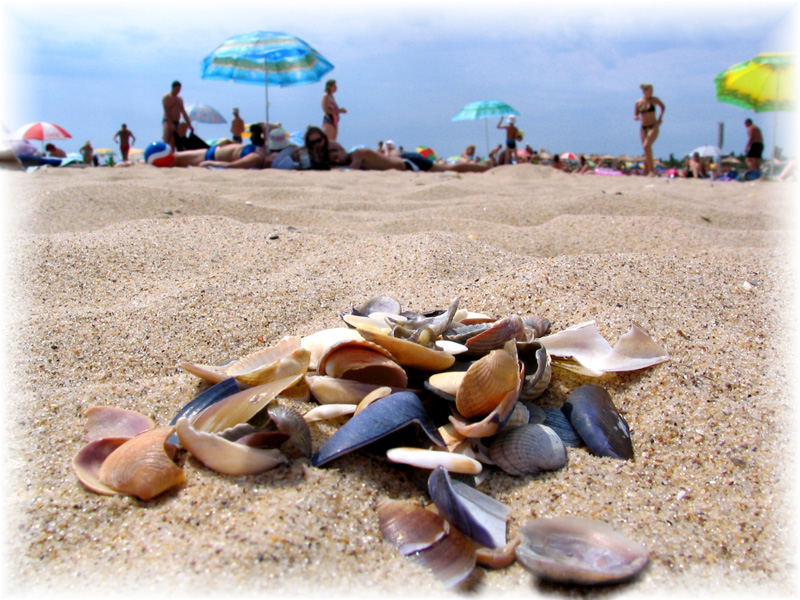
x=367, y=159
x=230, y=156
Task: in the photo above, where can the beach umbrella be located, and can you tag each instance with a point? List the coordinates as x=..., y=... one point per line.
x=427, y=152
x=266, y=58
x=765, y=83
x=485, y=109
x=707, y=151
x=568, y=156
x=203, y=113
x=41, y=130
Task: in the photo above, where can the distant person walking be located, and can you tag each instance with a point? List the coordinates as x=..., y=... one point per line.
x=755, y=145
x=511, y=138
x=645, y=111
x=237, y=126
x=331, y=111
x=173, y=110
x=124, y=137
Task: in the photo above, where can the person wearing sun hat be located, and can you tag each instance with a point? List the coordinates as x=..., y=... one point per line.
x=278, y=139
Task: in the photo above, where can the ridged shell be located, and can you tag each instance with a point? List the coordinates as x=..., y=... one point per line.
x=486, y=384
x=289, y=421
x=507, y=328
x=256, y=368
x=112, y=422
x=411, y=354
x=556, y=420
x=223, y=456
x=579, y=551
x=363, y=361
x=141, y=466
x=528, y=450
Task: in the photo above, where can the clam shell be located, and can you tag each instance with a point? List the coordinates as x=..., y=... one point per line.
x=507, y=328
x=556, y=420
x=375, y=323
x=256, y=368
x=432, y=459
x=319, y=342
x=528, y=450
x=378, y=420
x=375, y=394
x=411, y=354
x=486, y=383
x=141, y=466
x=112, y=422
x=384, y=304
x=333, y=390
x=472, y=512
x=289, y=421
x=579, y=551
x=363, y=361
x=214, y=394
x=86, y=463
x=596, y=419
x=446, y=384
x=224, y=456
x=540, y=326
x=327, y=412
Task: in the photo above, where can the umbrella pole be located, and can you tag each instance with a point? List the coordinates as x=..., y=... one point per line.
x=266, y=95
x=486, y=122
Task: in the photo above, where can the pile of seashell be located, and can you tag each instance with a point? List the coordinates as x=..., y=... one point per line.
x=450, y=391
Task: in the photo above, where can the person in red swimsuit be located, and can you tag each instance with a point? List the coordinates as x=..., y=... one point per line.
x=124, y=137
x=330, y=111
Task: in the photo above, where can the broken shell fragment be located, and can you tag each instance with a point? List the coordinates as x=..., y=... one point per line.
x=328, y=412
x=224, y=456
x=378, y=420
x=594, y=416
x=496, y=336
x=579, y=551
x=538, y=369
x=334, y=390
x=472, y=512
x=433, y=459
x=291, y=422
x=141, y=466
x=88, y=460
x=112, y=422
x=362, y=360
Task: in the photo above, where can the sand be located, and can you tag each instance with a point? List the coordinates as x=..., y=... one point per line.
x=120, y=274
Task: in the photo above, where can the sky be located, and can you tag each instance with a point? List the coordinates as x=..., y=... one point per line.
x=571, y=69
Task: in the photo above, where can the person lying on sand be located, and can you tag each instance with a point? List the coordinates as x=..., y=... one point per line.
x=367, y=159
x=230, y=156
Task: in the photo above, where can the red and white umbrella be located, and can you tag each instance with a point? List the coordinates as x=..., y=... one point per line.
x=41, y=130
x=568, y=156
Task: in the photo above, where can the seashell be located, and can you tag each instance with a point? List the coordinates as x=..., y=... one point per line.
x=224, y=456
x=492, y=422
x=256, y=368
x=364, y=361
x=460, y=333
x=141, y=466
x=217, y=392
x=579, y=551
x=379, y=419
x=452, y=439
x=595, y=418
x=498, y=558
x=556, y=420
x=409, y=526
x=86, y=463
x=375, y=323
x=243, y=406
x=536, y=414
x=411, y=354
x=450, y=556
x=319, y=342
x=112, y=422
x=466, y=317
x=540, y=326
x=528, y=450
x=425, y=329
x=299, y=392
x=507, y=328
x=538, y=369
x=327, y=412
x=249, y=435
x=486, y=383
x=446, y=383
x=451, y=347
x=384, y=304
x=519, y=416
x=289, y=421
x=375, y=394
x=432, y=459
x=473, y=513
x=332, y=390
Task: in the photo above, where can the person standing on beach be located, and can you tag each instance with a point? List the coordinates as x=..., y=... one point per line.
x=331, y=111
x=173, y=109
x=237, y=126
x=755, y=145
x=87, y=153
x=511, y=138
x=124, y=137
x=645, y=111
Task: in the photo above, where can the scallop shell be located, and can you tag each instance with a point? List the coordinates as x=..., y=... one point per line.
x=256, y=368
x=224, y=456
x=363, y=361
x=411, y=354
x=141, y=466
x=486, y=383
x=579, y=551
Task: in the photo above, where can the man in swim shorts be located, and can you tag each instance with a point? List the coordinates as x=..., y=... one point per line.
x=124, y=137
x=511, y=138
x=173, y=109
x=755, y=145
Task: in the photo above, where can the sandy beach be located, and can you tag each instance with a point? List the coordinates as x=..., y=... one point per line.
x=119, y=274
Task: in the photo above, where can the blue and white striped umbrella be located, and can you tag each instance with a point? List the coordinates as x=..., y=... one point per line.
x=266, y=58
x=203, y=113
x=484, y=110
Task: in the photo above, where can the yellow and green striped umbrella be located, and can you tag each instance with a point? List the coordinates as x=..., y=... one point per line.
x=763, y=83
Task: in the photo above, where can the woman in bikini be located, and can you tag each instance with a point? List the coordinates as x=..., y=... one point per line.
x=330, y=111
x=230, y=156
x=645, y=111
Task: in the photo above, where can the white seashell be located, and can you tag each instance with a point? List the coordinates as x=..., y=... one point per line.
x=451, y=347
x=333, y=390
x=224, y=456
x=326, y=412
x=430, y=459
